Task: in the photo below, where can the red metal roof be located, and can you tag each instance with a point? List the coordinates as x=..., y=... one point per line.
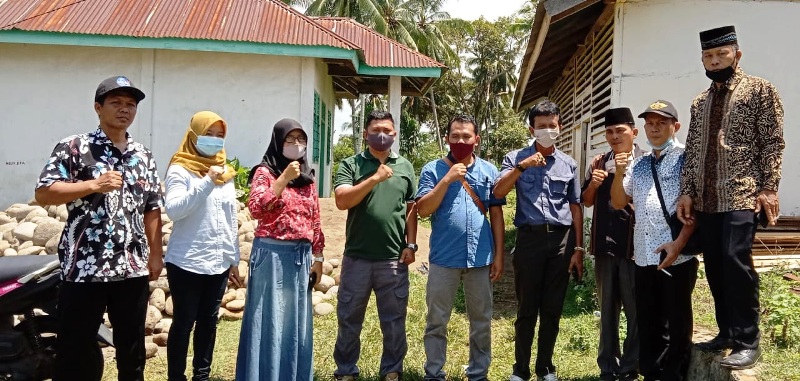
x=379, y=50
x=260, y=21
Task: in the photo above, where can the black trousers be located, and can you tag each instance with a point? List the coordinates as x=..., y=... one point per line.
x=732, y=278
x=541, y=263
x=664, y=309
x=195, y=300
x=615, y=277
x=80, y=311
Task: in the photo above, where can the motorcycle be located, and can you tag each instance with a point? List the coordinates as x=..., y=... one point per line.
x=27, y=349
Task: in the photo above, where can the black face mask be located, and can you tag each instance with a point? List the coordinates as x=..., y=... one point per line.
x=721, y=75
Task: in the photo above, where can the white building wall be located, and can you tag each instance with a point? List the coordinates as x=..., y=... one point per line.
x=657, y=55
x=47, y=94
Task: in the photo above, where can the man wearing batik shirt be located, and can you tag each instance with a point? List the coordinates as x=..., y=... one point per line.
x=111, y=243
x=733, y=167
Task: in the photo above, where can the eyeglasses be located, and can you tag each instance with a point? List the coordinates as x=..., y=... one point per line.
x=292, y=139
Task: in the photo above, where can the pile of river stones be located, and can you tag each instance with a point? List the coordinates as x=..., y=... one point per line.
x=30, y=229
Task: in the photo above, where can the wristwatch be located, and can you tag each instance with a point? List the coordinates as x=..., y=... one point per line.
x=413, y=247
x=519, y=168
x=319, y=259
x=579, y=248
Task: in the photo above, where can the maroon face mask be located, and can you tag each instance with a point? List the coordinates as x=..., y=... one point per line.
x=461, y=151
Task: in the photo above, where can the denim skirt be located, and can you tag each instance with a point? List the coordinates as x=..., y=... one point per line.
x=276, y=341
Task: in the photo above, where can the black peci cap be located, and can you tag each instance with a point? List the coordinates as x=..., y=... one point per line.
x=620, y=115
x=714, y=38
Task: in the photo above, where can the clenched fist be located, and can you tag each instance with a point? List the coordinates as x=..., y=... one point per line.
x=215, y=171
x=109, y=181
x=622, y=160
x=535, y=160
x=598, y=175
x=292, y=171
x=383, y=173
x=456, y=173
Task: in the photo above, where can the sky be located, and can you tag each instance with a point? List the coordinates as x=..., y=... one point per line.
x=463, y=9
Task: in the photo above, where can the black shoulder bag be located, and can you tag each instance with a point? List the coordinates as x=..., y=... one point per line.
x=693, y=245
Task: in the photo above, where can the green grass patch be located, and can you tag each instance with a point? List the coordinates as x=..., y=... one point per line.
x=575, y=354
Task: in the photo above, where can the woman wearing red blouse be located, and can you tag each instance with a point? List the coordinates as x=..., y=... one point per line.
x=276, y=338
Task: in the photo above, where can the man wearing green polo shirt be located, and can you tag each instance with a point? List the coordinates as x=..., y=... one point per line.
x=377, y=187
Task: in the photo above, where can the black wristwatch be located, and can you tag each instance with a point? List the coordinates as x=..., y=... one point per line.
x=412, y=246
x=519, y=168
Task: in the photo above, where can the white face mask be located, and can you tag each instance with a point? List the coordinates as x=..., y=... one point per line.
x=546, y=137
x=294, y=151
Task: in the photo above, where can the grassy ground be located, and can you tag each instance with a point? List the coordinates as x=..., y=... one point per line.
x=575, y=354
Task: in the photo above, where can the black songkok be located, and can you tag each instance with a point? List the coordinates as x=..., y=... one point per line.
x=714, y=38
x=621, y=115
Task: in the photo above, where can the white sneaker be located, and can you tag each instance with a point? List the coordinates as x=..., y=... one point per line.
x=393, y=376
x=514, y=377
x=550, y=377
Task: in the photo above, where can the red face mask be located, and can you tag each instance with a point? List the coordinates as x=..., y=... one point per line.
x=461, y=151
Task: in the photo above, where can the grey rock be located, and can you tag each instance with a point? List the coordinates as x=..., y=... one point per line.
x=235, y=305
x=52, y=245
x=323, y=309
x=150, y=350
x=244, y=249
x=24, y=231
x=19, y=211
x=4, y=245
x=24, y=245
x=46, y=230
x=168, y=306
x=9, y=252
x=32, y=250
x=335, y=262
x=327, y=268
x=161, y=339
x=5, y=218
x=325, y=283
x=36, y=212
x=151, y=319
x=161, y=283
x=164, y=325
x=158, y=299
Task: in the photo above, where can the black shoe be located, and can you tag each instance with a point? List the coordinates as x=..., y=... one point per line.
x=630, y=376
x=741, y=359
x=608, y=377
x=716, y=344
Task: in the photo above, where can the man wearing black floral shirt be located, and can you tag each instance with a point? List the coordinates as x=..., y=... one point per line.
x=113, y=194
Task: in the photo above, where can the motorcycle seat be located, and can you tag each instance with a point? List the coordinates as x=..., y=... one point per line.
x=12, y=268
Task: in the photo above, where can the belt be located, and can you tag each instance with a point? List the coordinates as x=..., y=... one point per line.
x=544, y=228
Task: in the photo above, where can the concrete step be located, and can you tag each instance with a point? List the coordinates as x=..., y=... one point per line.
x=704, y=366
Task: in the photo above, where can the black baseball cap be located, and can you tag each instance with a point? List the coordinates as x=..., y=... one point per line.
x=663, y=108
x=115, y=83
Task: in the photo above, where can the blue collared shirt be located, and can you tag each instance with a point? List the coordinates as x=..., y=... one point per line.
x=461, y=236
x=544, y=193
x=204, y=237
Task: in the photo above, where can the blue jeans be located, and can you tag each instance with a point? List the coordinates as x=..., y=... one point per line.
x=276, y=341
x=440, y=294
x=389, y=280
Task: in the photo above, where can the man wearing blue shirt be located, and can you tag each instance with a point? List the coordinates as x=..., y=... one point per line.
x=456, y=192
x=549, y=245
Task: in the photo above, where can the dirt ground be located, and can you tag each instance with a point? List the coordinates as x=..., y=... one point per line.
x=333, y=226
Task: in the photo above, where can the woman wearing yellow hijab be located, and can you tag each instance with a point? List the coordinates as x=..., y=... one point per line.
x=203, y=250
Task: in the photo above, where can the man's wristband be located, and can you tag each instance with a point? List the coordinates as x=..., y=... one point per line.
x=319, y=259
x=519, y=168
x=579, y=248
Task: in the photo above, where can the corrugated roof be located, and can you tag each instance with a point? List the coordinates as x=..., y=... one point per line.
x=260, y=21
x=379, y=50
